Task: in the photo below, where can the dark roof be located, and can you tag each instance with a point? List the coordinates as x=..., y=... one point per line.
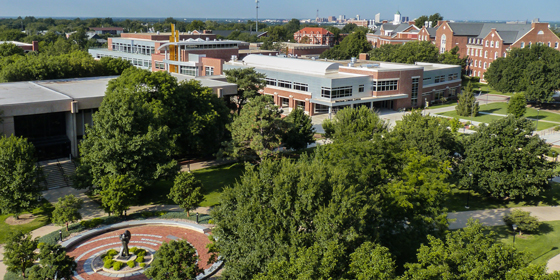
x=509, y=32
x=432, y=32
x=466, y=28
x=106, y=28
x=226, y=33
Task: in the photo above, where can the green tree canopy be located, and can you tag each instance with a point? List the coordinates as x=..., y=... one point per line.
x=372, y=262
x=300, y=130
x=351, y=46
x=358, y=123
x=420, y=21
x=410, y=52
x=186, y=191
x=347, y=193
x=467, y=105
x=248, y=82
x=66, y=210
x=54, y=263
x=19, y=176
x=429, y=135
x=535, y=70
x=118, y=193
x=506, y=160
x=517, y=105
x=256, y=132
x=9, y=49
x=19, y=252
x=175, y=260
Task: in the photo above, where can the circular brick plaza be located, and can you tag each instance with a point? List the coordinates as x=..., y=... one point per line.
x=149, y=237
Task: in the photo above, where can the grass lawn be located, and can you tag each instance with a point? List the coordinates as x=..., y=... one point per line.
x=437, y=105
x=501, y=108
x=214, y=179
x=540, y=247
x=42, y=214
x=485, y=89
x=457, y=200
x=489, y=118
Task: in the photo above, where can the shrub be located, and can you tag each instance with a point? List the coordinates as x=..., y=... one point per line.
x=523, y=220
x=117, y=265
x=108, y=263
x=12, y=276
x=131, y=263
x=140, y=252
x=107, y=258
x=142, y=265
x=112, y=252
x=556, y=128
x=132, y=250
x=140, y=259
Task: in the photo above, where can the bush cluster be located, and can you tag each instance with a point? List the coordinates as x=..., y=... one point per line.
x=149, y=214
x=131, y=263
x=91, y=223
x=523, y=220
x=117, y=265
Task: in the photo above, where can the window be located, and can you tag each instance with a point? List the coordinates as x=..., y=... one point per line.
x=450, y=77
x=160, y=65
x=385, y=85
x=209, y=71
x=361, y=88
x=189, y=70
x=556, y=45
x=284, y=84
x=443, y=43
x=300, y=86
x=439, y=79
x=486, y=43
x=476, y=53
x=414, y=92
x=452, y=91
x=530, y=43
x=549, y=44
x=284, y=102
x=484, y=65
x=485, y=54
x=495, y=55
x=336, y=92
x=492, y=44
x=300, y=104
x=438, y=95
x=321, y=108
x=497, y=44
x=522, y=44
x=455, y=76
x=270, y=82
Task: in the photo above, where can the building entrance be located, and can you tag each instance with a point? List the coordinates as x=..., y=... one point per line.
x=47, y=132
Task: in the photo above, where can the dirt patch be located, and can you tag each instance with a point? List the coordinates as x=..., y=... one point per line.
x=23, y=219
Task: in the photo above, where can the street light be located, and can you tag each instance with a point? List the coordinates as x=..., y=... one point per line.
x=514, y=226
x=538, y=112
x=469, y=192
x=60, y=233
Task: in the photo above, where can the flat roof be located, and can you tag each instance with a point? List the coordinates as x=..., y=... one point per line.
x=79, y=88
x=27, y=92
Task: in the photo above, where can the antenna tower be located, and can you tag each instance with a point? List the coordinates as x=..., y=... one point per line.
x=257, y=3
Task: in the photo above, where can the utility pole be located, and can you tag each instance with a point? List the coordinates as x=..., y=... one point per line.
x=257, y=2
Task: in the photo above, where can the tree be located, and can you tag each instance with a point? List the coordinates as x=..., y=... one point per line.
x=371, y=261
x=506, y=160
x=118, y=193
x=420, y=21
x=429, y=135
x=256, y=132
x=534, y=70
x=523, y=220
x=410, y=52
x=249, y=82
x=435, y=18
x=19, y=252
x=19, y=176
x=300, y=130
x=343, y=195
x=175, y=260
x=453, y=57
x=467, y=105
x=358, y=123
x=54, y=263
x=66, y=210
x=9, y=49
x=468, y=253
x=186, y=191
x=351, y=46
x=517, y=105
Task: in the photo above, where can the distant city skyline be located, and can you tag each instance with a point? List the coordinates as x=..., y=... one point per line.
x=475, y=10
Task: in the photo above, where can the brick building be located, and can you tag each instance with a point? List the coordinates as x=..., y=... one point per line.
x=315, y=36
x=395, y=34
x=320, y=86
x=483, y=43
x=34, y=46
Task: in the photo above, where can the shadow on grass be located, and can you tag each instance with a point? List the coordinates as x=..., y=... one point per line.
x=490, y=110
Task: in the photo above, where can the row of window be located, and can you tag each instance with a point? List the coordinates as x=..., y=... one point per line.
x=540, y=43
x=287, y=84
x=285, y=103
x=479, y=64
x=188, y=70
x=160, y=65
x=129, y=48
x=209, y=46
x=414, y=92
x=135, y=61
x=385, y=85
x=336, y=92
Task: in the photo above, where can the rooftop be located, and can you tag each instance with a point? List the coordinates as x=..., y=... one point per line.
x=291, y=64
x=15, y=43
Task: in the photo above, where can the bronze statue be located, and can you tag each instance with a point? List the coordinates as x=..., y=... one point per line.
x=125, y=238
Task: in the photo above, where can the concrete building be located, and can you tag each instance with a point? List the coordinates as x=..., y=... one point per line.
x=483, y=43
x=320, y=86
x=52, y=114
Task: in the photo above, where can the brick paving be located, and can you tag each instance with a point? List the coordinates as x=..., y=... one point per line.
x=143, y=236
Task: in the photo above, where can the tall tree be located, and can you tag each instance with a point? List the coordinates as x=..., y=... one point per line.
x=118, y=193
x=410, y=52
x=505, y=160
x=256, y=132
x=429, y=135
x=420, y=21
x=19, y=176
x=66, y=210
x=467, y=105
x=54, y=264
x=435, y=18
x=249, y=82
x=300, y=130
x=9, y=49
x=517, y=105
x=371, y=262
x=351, y=46
x=174, y=260
x=358, y=123
x=19, y=252
x=186, y=191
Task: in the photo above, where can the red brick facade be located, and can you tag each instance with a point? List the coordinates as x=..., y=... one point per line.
x=315, y=36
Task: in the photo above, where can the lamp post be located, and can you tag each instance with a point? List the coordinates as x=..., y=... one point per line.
x=514, y=226
x=538, y=113
x=60, y=233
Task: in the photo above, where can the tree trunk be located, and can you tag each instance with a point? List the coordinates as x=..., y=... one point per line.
x=66, y=228
x=188, y=214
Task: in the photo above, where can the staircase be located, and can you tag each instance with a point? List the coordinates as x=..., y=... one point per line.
x=57, y=173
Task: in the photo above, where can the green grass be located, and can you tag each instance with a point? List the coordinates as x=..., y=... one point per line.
x=501, y=108
x=437, y=105
x=489, y=118
x=485, y=89
x=540, y=247
x=457, y=200
x=42, y=214
x=213, y=179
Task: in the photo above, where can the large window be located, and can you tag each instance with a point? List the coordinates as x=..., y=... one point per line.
x=438, y=95
x=284, y=102
x=443, y=42
x=321, y=109
x=439, y=79
x=414, y=92
x=160, y=65
x=361, y=88
x=270, y=82
x=300, y=104
x=385, y=85
x=189, y=70
x=209, y=71
x=284, y=84
x=300, y=86
x=336, y=92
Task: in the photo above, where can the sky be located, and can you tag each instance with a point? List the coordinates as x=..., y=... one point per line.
x=475, y=10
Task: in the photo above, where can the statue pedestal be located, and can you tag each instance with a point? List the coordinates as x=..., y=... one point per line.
x=124, y=259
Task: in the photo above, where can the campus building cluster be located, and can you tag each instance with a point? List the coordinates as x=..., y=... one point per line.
x=319, y=86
